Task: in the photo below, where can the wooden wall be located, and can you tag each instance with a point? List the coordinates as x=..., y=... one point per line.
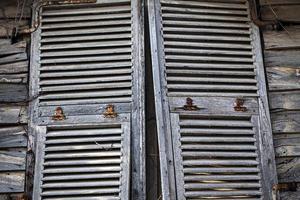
x=13, y=99
x=282, y=61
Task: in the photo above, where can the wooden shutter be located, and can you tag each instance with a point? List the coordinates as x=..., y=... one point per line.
x=86, y=59
x=214, y=127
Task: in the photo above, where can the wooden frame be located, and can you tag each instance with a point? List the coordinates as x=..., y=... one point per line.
x=92, y=113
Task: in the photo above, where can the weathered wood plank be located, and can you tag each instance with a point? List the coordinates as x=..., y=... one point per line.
x=282, y=58
x=288, y=169
x=286, y=122
x=282, y=101
x=13, y=114
x=290, y=195
x=8, y=49
x=12, y=160
x=278, y=2
x=13, y=136
x=11, y=182
x=283, y=78
x=287, y=145
x=11, y=68
x=287, y=13
x=13, y=92
x=286, y=39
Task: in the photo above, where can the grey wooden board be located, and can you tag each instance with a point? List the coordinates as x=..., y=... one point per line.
x=12, y=182
x=283, y=78
x=286, y=122
x=288, y=169
x=287, y=145
x=76, y=110
x=210, y=105
x=12, y=159
x=287, y=13
x=290, y=195
x=284, y=101
x=14, y=136
x=282, y=58
x=286, y=39
x=278, y=2
x=13, y=114
x=13, y=92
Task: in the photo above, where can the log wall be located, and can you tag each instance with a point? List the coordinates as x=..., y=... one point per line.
x=13, y=99
x=282, y=61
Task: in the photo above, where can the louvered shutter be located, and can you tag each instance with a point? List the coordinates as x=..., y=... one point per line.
x=87, y=111
x=214, y=128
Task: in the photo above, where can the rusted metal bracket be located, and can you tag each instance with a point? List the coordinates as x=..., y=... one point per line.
x=239, y=105
x=110, y=111
x=189, y=105
x=59, y=114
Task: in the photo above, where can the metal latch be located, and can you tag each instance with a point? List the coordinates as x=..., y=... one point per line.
x=59, y=114
x=189, y=105
x=110, y=111
x=239, y=105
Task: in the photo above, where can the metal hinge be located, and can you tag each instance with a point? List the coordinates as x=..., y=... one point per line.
x=110, y=111
x=239, y=105
x=59, y=114
x=189, y=105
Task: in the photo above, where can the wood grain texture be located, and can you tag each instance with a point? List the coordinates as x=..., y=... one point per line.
x=282, y=58
x=286, y=122
x=283, y=78
x=13, y=93
x=278, y=2
x=284, y=101
x=12, y=136
x=288, y=169
x=286, y=39
x=286, y=13
x=290, y=195
x=13, y=114
x=11, y=182
x=287, y=145
x=12, y=160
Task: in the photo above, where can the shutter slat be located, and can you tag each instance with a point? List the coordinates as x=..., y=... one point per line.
x=80, y=192
x=207, y=80
x=85, y=45
x=205, y=51
x=220, y=177
x=82, y=170
x=208, y=66
x=82, y=162
x=86, y=73
x=207, y=45
x=188, y=16
x=87, y=31
x=80, y=177
x=221, y=170
x=85, y=38
x=195, y=10
x=207, y=58
x=221, y=185
x=206, y=4
x=217, y=154
x=85, y=80
x=211, y=87
x=86, y=52
x=78, y=140
x=80, y=66
x=80, y=185
x=190, y=30
x=88, y=17
x=87, y=10
x=218, y=147
x=188, y=23
x=87, y=87
x=85, y=147
x=84, y=133
x=86, y=24
x=223, y=193
x=190, y=37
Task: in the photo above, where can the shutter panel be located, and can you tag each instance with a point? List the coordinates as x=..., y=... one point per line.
x=214, y=129
x=84, y=162
x=87, y=64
